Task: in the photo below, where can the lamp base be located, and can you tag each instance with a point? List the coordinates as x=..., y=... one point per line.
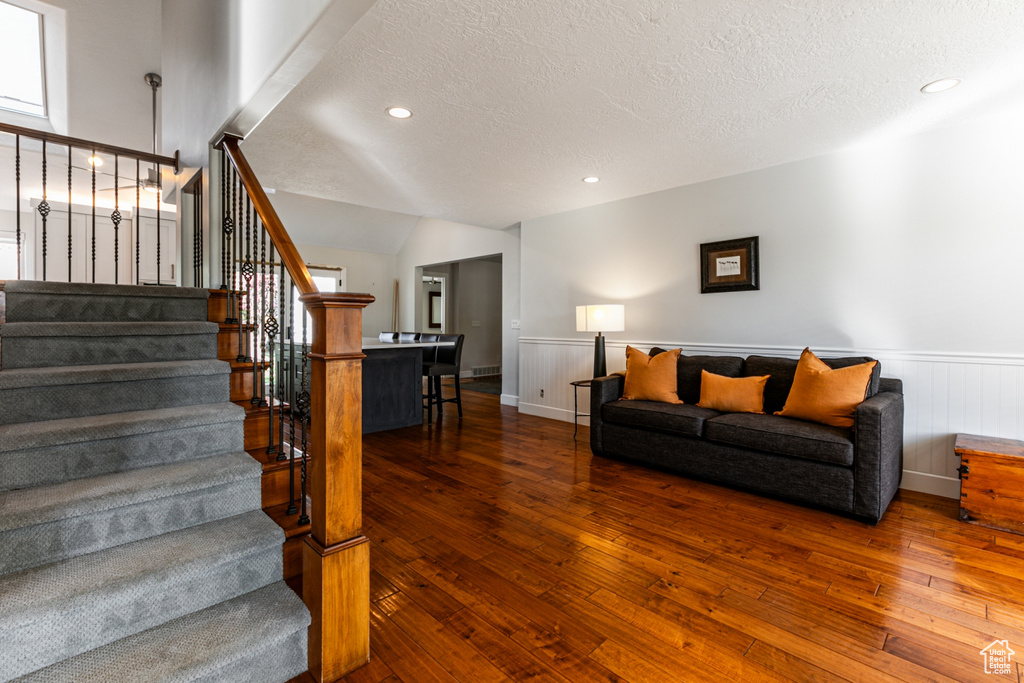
x=600, y=367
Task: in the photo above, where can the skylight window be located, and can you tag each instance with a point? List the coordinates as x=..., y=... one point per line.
x=21, y=52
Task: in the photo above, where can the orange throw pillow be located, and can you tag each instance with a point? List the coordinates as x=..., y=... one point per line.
x=732, y=394
x=821, y=394
x=651, y=379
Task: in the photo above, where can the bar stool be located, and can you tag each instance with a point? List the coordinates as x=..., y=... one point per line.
x=388, y=336
x=447, y=361
x=408, y=336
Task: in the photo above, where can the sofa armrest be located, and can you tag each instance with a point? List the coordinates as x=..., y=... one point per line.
x=602, y=390
x=878, y=453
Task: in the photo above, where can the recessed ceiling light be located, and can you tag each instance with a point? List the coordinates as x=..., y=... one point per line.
x=591, y=179
x=399, y=112
x=95, y=161
x=940, y=85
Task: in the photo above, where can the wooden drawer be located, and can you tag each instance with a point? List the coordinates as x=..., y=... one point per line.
x=991, y=482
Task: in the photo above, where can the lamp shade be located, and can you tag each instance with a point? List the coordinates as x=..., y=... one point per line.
x=601, y=318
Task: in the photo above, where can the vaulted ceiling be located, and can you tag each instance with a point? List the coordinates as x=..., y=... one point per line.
x=515, y=101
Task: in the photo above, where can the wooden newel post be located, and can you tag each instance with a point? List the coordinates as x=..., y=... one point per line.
x=336, y=556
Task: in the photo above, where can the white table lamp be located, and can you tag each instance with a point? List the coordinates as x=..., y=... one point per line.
x=600, y=318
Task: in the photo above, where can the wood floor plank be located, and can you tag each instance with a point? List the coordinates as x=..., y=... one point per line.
x=449, y=650
x=501, y=651
x=789, y=666
x=502, y=549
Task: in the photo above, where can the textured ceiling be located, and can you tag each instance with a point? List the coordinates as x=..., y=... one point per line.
x=515, y=101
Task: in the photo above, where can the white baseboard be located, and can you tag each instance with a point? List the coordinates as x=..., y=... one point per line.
x=509, y=400
x=947, y=487
x=552, y=413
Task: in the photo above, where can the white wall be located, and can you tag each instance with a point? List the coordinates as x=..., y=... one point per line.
x=111, y=46
x=435, y=241
x=906, y=250
x=478, y=299
x=216, y=57
x=366, y=272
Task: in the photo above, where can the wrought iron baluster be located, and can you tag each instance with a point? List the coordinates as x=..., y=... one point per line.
x=69, y=213
x=159, y=198
x=260, y=343
x=17, y=197
x=244, y=352
x=197, y=235
x=115, y=218
x=271, y=329
x=136, y=219
x=292, y=408
x=93, y=215
x=233, y=313
x=44, y=209
x=242, y=320
x=304, y=404
x=285, y=327
x=225, y=221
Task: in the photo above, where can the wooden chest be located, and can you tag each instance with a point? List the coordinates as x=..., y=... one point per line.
x=991, y=482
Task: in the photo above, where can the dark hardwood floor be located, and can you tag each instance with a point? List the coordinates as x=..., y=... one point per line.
x=503, y=550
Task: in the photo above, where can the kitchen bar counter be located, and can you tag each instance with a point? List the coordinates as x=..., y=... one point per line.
x=393, y=383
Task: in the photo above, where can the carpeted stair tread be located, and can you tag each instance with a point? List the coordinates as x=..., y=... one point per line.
x=96, y=289
x=29, y=301
x=119, y=372
x=108, y=329
x=25, y=435
x=44, y=345
x=52, y=451
x=63, y=609
x=80, y=497
x=52, y=523
x=248, y=638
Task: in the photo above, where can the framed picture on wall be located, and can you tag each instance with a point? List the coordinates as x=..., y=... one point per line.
x=729, y=266
x=435, y=310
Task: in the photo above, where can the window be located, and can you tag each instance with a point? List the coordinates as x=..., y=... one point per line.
x=324, y=283
x=34, y=75
x=22, y=86
x=8, y=259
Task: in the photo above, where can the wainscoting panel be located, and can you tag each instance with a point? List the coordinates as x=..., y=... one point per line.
x=945, y=394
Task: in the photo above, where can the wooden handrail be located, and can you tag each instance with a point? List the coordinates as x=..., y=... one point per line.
x=285, y=247
x=336, y=554
x=79, y=143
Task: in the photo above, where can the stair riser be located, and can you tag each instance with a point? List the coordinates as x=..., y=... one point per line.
x=259, y=636
x=32, y=404
x=256, y=430
x=28, y=307
x=281, y=661
x=275, y=486
x=54, y=464
x=44, y=543
x=241, y=384
x=48, y=352
x=103, y=616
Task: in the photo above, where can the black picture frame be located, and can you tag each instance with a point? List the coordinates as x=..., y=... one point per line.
x=434, y=318
x=729, y=266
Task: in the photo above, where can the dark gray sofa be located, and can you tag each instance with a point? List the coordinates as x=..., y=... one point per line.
x=853, y=471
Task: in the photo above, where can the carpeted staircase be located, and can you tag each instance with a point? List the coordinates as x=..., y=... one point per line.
x=132, y=543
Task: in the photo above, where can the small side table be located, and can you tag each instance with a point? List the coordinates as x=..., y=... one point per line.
x=991, y=478
x=576, y=414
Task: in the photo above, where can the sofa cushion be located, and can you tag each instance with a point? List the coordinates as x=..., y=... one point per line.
x=807, y=440
x=826, y=395
x=689, y=367
x=732, y=394
x=674, y=418
x=650, y=378
x=781, y=372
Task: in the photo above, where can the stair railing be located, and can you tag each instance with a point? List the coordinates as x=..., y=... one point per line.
x=44, y=170
x=312, y=356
